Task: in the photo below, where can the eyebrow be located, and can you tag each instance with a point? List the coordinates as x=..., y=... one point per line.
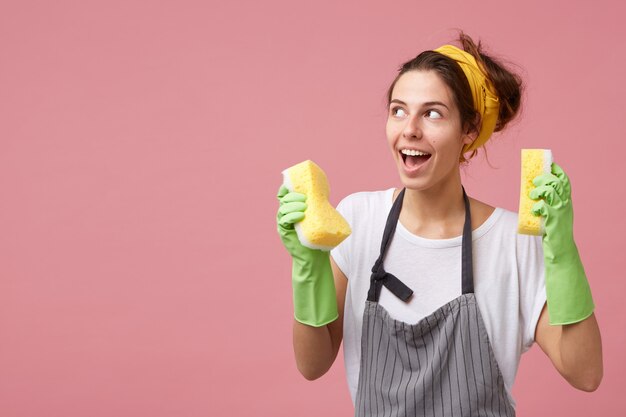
x=428, y=103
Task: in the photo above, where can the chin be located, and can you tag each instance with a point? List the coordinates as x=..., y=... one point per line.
x=416, y=184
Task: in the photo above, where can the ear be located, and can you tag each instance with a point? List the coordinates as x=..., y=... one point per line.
x=469, y=135
x=469, y=138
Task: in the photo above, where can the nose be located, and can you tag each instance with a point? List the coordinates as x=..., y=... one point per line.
x=412, y=128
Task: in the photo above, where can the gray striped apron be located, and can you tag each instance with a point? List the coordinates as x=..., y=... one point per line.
x=441, y=366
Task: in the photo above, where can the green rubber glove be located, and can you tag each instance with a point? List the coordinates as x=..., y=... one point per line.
x=314, y=296
x=567, y=290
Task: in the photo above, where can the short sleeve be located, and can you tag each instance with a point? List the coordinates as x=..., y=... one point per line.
x=340, y=253
x=532, y=285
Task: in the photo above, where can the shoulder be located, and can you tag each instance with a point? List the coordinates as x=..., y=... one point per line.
x=508, y=219
x=498, y=224
x=365, y=213
x=364, y=201
x=489, y=218
x=506, y=226
x=501, y=218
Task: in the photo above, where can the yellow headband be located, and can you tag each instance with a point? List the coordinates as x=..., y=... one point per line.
x=485, y=97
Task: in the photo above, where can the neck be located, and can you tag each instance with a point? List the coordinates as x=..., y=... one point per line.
x=439, y=205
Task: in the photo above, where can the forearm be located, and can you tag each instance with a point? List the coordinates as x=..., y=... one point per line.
x=314, y=349
x=581, y=354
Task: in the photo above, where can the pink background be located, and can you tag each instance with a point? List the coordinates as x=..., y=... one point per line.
x=141, y=145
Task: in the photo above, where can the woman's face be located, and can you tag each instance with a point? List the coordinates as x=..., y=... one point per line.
x=424, y=131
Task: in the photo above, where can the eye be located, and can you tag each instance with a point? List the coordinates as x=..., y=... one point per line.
x=395, y=109
x=434, y=114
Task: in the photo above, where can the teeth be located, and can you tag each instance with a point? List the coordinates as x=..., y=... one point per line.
x=413, y=152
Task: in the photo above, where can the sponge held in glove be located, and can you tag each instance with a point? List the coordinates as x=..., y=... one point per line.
x=322, y=227
x=534, y=162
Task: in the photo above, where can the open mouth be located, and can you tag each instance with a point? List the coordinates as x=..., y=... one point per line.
x=413, y=159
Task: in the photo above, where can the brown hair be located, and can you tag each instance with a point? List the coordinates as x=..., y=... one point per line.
x=507, y=84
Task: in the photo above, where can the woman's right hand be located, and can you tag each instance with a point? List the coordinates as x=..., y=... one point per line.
x=290, y=212
x=314, y=297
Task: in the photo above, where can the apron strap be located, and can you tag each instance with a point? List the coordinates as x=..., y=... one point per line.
x=467, y=267
x=381, y=277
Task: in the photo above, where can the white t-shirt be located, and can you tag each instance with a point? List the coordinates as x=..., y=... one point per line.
x=508, y=278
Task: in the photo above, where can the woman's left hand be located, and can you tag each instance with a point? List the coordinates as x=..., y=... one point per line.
x=554, y=193
x=567, y=289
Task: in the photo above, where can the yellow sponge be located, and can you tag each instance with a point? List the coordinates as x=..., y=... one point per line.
x=322, y=227
x=534, y=162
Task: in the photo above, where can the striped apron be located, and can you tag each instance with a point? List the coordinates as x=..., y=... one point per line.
x=441, y=366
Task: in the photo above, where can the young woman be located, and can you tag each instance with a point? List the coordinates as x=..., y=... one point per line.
x=435, y=295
